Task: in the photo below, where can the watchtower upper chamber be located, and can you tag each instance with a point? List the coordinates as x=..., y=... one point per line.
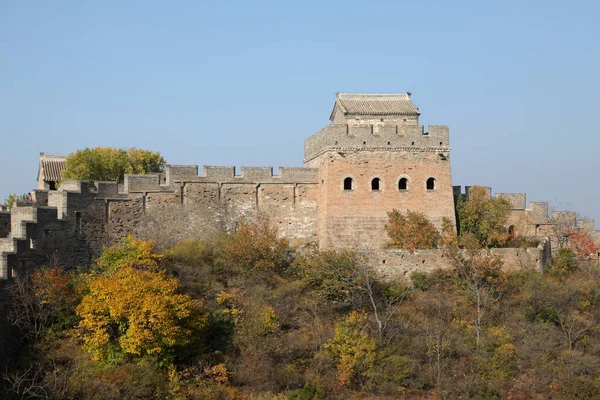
x=375, y=157
x=374, y=108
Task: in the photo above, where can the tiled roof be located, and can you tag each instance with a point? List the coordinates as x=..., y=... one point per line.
x=376, y=104
x=52, y=167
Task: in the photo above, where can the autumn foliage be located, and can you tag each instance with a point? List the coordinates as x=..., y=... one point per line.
x=139, y=254
x=582, y=244
x=252, y=247
x=111, y=164
x=133, y=312
x=411, y=231
x=483, y=219
x=246, y=316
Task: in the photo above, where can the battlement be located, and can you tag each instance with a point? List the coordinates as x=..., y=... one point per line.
x=535, y=221
x=256, y=175
x=176, y=175
x=517, y=200
x=377, y=136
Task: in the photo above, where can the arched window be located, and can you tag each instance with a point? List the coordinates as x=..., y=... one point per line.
x=403, y=184
x=375, y=183
x=348, y=183
x=431, y=184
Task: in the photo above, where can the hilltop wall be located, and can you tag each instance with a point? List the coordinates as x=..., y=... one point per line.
x=400, y=264
x=537, y=221
x=73, y=223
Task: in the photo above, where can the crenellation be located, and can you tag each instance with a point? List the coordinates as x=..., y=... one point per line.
x=385, y=130
x=257, y=174
x=298, y=175
x=175, y=173
x=142, y=183
x=373, y=158
x=75, y=186
x=567, y=219
x=218, y=174
x=586, y=225
x=517, y=200
x=4, y=224
x=412, y=131
x=361, y=130
x=40, y=197
x=106, y=189
x=538, y=212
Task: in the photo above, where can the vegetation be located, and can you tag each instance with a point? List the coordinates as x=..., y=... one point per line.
x=482, y=219
x=247, y=316
x=12, y=199
x=111, y=164
x=411, y=231
x=214, y=320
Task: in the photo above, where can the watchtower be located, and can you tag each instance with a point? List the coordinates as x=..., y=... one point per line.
x=372, y=158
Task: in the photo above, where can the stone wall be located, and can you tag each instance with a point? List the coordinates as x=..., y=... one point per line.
x=357, y=217
x=4, y=224
x=400, y=264
x=414, y=138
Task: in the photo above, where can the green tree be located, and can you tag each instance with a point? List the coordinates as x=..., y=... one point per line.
x=12, y=199
x=483, y=219
x=111, y=164
x=411, y=231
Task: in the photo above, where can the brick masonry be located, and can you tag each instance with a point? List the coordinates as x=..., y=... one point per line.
x=371, y=137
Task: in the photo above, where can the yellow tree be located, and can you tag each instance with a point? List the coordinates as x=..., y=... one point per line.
x=139, y=254
x=134, y=312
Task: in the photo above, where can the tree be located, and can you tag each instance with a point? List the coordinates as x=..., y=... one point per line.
x=44, y=297
x=134, y=312
x=582, y=244
x=483, y=218
x=252, y=248
x=111, y=164
x=481, y=278
x=139, y=254
x=334, y=276
x=12, y=199
x=353, y=348
x=144, y=161
x=411, y=231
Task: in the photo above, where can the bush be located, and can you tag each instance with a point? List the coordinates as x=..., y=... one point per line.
x=564, y=262
x=411, y=231
x=310, y=391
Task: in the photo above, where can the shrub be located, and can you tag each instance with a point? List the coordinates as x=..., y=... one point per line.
x=411, y=231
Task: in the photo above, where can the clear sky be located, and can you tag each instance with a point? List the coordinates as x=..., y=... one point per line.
x=244, y=83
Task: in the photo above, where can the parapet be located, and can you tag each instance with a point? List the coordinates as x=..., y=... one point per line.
x=142, y=183
x=587, y=225
x=107, y=189
x=377, y=136
x=517, y=200
x=256, y=175
x=179, y=172
x=538, y=211
x=75, y=186
x=567, y=219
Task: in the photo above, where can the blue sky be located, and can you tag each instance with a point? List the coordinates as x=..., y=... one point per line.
x=244, y=83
